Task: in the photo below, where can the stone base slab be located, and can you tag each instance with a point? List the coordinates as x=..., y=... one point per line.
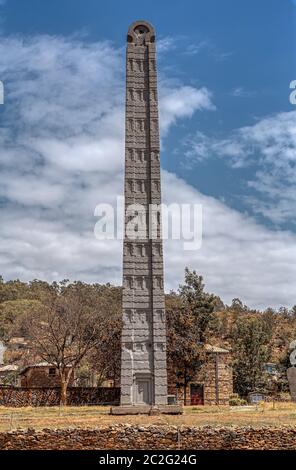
x=146, y=410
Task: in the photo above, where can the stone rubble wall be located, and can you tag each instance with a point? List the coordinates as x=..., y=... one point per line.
x=153, y=437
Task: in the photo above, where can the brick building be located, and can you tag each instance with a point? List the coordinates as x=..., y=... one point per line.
x=212, y=384
x=41, y=374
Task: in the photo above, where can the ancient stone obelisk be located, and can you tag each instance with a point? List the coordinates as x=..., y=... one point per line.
x=291, y=371
x=143, y=363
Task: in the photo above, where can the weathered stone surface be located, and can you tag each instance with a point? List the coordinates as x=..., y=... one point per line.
x=143, y=335
x=291, y=374
x=153, y=437
x=130, y=410
x=146, y=410
x=215, y=377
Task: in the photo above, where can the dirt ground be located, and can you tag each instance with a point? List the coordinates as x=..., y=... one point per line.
x=94, y=416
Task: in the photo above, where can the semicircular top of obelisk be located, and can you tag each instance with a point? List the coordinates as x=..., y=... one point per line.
x=141, y=32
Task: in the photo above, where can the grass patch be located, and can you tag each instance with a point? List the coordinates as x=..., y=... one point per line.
x=94, y=416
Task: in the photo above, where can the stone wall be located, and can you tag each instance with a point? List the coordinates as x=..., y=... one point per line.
x=153, y=437
x=19, y=397
x=218, y=384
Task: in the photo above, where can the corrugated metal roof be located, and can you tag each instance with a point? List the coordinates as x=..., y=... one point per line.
x=8, y=368
x=215, y=349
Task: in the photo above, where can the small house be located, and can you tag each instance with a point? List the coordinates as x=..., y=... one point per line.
x=17, y=343
x=270, y=368
x=41, y=374
x=256, y=397
x=8, y=374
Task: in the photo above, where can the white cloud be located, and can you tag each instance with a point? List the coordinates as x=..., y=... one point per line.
x=241, y=92
x=238, y=257
x=181, y=103
x=270, y=147
x=165, y=44
x=193, y=49
x=62, y=154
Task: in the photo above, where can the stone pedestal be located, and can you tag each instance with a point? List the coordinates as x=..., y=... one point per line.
x=146, y=410
x=291, y=374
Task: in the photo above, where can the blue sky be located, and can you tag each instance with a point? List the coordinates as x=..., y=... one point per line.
x=228, y=138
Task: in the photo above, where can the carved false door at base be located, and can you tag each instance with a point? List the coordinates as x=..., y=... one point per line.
x=142, y=391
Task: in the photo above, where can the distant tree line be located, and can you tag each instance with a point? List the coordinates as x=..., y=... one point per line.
x=74, y=325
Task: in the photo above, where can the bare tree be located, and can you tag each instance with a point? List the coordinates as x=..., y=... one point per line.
x=104, y=359
x=64, y=331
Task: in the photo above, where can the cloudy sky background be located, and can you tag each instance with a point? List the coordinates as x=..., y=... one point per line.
x=228, y=140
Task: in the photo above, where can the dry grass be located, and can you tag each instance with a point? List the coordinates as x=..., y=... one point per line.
x=55, y=417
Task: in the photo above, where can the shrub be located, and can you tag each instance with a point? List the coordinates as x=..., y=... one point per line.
x=235, y=400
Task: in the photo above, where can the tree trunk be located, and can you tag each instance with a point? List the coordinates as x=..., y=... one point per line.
x=65, y=377
x=63, y=397
x=185, y=387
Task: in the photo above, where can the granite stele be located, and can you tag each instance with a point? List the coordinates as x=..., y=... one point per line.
x=143, y=361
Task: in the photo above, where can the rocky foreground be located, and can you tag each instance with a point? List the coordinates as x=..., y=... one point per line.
x=122, y=436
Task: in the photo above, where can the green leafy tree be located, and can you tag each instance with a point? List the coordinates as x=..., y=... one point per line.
x=11, y=312
x=198, y=303
x=251, y=346
x=189, y=315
